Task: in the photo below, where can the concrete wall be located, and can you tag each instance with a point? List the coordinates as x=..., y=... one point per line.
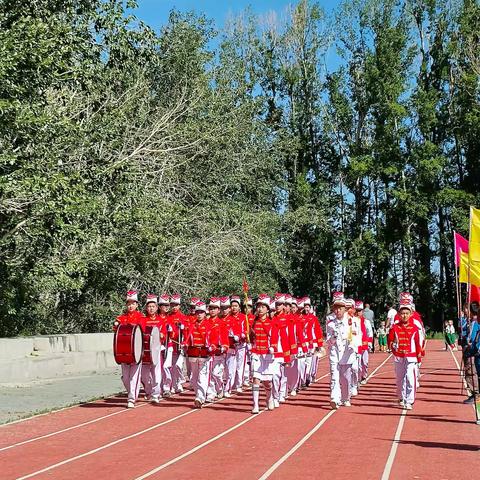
x=48, y=356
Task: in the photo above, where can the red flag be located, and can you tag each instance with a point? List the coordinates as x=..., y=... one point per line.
x=245, y=285
x=461, y=245
x=474, y=293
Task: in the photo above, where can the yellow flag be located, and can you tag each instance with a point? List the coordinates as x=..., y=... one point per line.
x=464, y=276
x=474, y=244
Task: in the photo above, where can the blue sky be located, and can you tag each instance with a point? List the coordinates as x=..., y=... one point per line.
x=155, y=12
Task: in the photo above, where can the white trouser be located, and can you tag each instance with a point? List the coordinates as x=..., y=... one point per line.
x=200, y=375
x=152, y=378
x=293, y=375
x=306, y=368
x=364, y=370
x=235, y=365
x=340, y=381
x=279, y=382
x=355, y=373
x=131, y=379
x=313, y=368
x=406, y=375
x=215, y=386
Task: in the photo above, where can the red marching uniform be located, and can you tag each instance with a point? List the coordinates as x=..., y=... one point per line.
x=219, y=342
x=404, y=342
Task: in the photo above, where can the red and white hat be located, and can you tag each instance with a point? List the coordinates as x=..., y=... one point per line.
x=164, y=299
x=175, y=299
x=200, y=307
x=338, y=299
x=349, y=302
x=358, y=305
x=294, y=301
x=224, y=301
x=132, y=295
x=405, y=303
x=250, y=302
x=406, y=296
x=306, y=301
x=235, y=298
x=194, y=301
x=151, y=298
x=214, y=302
x=264, y=299
x=272, y=305
x=279, y=298
x=300, y=302
x=288, y=299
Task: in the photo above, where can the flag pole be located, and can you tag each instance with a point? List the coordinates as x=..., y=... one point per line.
x=457, y=284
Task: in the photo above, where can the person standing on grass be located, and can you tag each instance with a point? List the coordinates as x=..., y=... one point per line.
x=382, y=337
x=405, y=344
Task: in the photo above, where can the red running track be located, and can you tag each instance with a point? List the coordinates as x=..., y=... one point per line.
x=303, y=438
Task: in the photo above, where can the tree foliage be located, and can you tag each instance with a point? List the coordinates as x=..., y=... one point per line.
x=181, y=160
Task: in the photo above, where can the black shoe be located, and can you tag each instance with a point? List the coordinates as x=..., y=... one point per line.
x=470, y=399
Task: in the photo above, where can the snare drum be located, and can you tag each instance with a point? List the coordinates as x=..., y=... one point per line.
x=128, y=344
x=151, y=345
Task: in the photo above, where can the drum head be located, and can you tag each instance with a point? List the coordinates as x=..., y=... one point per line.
x=137, y=344
x=155, y=345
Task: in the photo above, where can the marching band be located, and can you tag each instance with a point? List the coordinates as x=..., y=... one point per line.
x=220, y=350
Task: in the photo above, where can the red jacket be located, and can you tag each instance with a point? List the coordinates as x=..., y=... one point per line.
x=218, y=335
x=314, y=330
x=404, y=341
x=265, y=336
x=176, y=334
x=284, y=340
x=133, y=318
x=157, y=321
x=297, y=337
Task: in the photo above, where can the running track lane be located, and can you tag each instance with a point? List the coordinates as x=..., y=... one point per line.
x=253, y=447
x=200, y=424
x=338, y=449
x=440, y=427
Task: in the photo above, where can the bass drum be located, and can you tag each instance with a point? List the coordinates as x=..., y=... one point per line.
x=128, y=344
x=151, y=345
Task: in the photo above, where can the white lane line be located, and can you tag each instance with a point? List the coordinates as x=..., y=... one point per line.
x=73, y=427
x=198, y=447
x=378, y=368
x=393, y=451
x=296, y=446
x=111, y=444
x=309, y=434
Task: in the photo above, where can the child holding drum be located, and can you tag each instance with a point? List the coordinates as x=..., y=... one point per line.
x=128, y=329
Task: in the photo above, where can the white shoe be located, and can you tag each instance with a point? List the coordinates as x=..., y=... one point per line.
x=363, y=382
x=354, y=392
x=155, y=400
x=131, y=405
x=222, y=394
x=283, y=400
x=210, y=399
x=276, y=403
x=246, y=384
x=198, y=403
x=179, y=389
x=408, y=406
x=346, y=404
x=239, y=390
x=255, y=410
x=271, y=404
x=293, y=393
x=226, y=395
x=334, y=405
x=167, y=394
x=401, y=403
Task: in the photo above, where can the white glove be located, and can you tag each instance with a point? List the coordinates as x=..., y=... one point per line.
x=182, y=326
x=211, y=348
x=235, y=338
x=169, y=328
x=271, y=350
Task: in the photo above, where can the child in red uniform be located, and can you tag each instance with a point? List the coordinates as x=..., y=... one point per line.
x=131, y=372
